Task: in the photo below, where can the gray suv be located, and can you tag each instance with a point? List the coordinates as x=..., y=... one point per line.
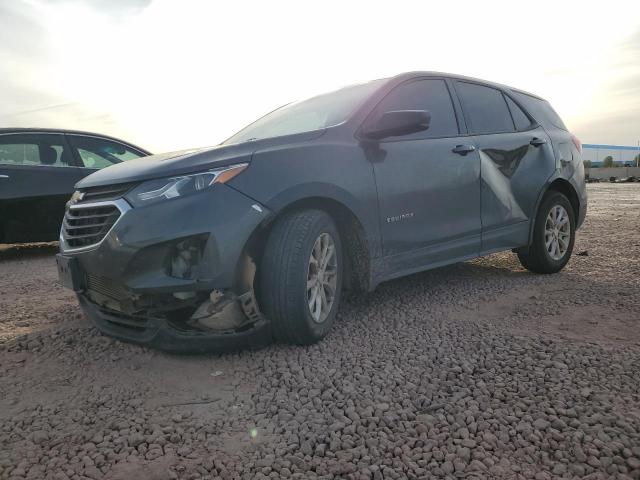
x=256, y=238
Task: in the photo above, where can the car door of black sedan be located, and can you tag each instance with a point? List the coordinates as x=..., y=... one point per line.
x=37, y=175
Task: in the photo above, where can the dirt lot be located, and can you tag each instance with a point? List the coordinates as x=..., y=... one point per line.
x=479, y=370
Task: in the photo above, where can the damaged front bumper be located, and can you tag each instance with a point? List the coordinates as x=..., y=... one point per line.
x=221, y=321
x=163, y=333
x=176, y=276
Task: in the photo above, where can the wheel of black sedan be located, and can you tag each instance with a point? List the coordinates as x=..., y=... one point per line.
x=553, y=235
x=300, y=276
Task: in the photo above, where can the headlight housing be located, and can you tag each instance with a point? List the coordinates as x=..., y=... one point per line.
x=161, y=189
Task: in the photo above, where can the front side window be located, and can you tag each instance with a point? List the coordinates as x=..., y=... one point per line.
x=485, y=108
x=315, y=113
x=48, y=150
x=431, y=95
x=100, y=153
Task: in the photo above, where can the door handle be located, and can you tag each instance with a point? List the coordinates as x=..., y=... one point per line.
x=463, y=149
x=536, y=142
x=4, y=176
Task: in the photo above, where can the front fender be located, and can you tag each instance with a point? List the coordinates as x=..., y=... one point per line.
x=335, y=171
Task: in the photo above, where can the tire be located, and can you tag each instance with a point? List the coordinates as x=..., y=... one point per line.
x=285, y=272
x=541, y=258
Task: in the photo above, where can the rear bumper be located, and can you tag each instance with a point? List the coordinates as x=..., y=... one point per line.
x=584, y=200
x=160, y=334
x=582, y=214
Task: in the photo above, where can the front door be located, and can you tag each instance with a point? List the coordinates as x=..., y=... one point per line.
x=429, y=195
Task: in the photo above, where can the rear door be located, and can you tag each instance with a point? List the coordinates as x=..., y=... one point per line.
x=428, y=195
x=37, y=175
x=516, y=160
x=94, y=153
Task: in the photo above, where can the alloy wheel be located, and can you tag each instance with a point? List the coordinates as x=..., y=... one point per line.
x=557, y=232
x=322, y=277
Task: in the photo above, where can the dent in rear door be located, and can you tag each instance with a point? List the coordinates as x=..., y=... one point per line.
x=513, y=173
x=516, y=159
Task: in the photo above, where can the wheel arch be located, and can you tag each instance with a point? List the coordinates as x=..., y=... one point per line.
x=564, y=186
x=357, y=249
x=561, y=185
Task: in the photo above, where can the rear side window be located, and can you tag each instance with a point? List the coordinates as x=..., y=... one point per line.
x=540, y=109
x=519, y=117
x=35, y=150
x=429, y=94
x=100, y=153
x=485, y=108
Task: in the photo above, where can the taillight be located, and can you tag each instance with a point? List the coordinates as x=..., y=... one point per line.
x=576, y=142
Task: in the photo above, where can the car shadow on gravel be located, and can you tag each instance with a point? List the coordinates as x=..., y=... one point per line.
x=24, y=251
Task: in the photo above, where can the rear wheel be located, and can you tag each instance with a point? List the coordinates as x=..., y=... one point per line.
x=300, y=278
x=553, y=235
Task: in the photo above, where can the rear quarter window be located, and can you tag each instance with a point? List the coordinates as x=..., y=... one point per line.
x=540, y=110
x=520, y=118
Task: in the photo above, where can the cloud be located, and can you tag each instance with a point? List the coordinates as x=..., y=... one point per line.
x=171, y=75
x=614, y=115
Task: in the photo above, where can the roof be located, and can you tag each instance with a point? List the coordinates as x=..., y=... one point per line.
x=463, y=77
x=72, y=132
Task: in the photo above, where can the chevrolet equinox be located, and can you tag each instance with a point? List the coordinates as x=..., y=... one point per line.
x=257, y=237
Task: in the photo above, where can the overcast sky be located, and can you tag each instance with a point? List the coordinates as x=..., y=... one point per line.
x=177, y=74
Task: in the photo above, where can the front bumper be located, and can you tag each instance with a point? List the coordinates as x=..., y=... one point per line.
x=130, y=288
x=163, y=335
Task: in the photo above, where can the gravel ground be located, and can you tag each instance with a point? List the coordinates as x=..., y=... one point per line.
x=478, y=370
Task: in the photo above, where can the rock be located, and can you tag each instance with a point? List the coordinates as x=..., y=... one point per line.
x=476, y=465
x=93, y=472
x=541, y=424
x=40, y=437
x=136, y=439
x=447, y=467
x=633, y=463
x=593, y=461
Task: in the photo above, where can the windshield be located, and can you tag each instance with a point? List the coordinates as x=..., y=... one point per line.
x=314, y=113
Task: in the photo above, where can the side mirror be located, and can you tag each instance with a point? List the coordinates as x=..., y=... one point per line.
x=399, y=122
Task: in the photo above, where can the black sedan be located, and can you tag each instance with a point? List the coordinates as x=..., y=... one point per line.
x=38, y=169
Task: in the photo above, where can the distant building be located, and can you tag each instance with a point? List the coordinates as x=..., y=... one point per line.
x=622, y=155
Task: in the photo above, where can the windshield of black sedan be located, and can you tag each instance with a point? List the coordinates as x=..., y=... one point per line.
x=315, y=113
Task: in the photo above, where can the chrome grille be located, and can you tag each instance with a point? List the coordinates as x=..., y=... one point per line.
x=107, y=192
x=86, y=225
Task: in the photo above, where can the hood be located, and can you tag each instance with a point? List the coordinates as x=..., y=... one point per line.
x=186, y=161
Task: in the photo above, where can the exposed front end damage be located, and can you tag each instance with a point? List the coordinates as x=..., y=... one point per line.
x=226, y=310
x=178, y=276
x=182, y=321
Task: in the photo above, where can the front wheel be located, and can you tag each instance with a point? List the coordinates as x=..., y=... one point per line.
x=300, y=276
x=553, y=235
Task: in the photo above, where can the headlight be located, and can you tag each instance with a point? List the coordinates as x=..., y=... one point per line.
x=165, y=188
